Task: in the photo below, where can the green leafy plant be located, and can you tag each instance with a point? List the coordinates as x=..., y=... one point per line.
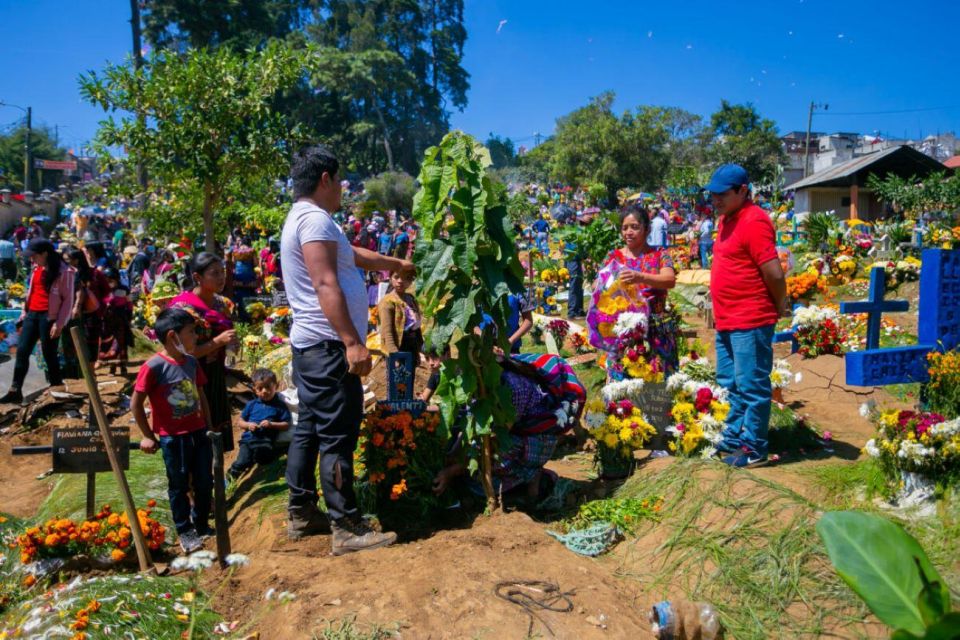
x=890, y=571
x=820, y=227
x=468, y=264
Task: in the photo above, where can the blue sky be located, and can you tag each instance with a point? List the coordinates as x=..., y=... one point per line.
x=550, y=57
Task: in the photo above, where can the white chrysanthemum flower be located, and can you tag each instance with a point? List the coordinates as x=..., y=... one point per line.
x=269, y=594
x=628, y=321
x=871, y=448
x=622, y=390
x=179, y=563
x=798, y=378
x=677, y=381
x=946, y=429
x=237, y=560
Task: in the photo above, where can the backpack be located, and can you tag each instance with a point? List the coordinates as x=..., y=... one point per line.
x=557, y=378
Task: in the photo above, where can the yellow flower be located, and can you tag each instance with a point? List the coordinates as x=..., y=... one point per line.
x=610, y=440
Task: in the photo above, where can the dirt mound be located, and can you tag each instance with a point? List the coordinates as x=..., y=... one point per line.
x=823, y=395
x=439, y=587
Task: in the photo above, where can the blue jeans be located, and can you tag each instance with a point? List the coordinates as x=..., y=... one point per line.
x=542, y=244
x=575, y=301
x=189, y=462
x=706, y=248
x=744, y=362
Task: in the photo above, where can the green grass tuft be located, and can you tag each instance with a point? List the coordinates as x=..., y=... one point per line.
x=348, y=629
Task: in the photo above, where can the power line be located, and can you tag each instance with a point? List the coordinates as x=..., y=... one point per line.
x=878, y=113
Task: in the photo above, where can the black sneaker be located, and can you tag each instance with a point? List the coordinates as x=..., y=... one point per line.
x=13, y=396
x=190, y=541
x=356, y=535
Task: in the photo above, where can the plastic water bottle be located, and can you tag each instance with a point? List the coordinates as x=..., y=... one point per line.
x=684, y=620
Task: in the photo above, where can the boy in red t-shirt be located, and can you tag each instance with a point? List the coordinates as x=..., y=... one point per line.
x=173, y=381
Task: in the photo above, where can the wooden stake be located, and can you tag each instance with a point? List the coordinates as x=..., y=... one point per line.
x=220, y=499
x=493, y=501
x=91, y=494
x=96, y=405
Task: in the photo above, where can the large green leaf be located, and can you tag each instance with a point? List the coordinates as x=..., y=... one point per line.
x=882, y=563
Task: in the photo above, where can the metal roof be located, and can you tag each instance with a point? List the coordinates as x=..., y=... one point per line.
x=902, y=160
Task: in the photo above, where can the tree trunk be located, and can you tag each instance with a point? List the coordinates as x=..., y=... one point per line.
x=486, y=468
x=210, y=241
x=386, y=133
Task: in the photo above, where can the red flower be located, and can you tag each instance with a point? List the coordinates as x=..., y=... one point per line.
x=704, y=397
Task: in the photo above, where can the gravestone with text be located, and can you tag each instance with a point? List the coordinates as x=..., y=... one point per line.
x=939, y=324
x=84, y=451
x=401, y=375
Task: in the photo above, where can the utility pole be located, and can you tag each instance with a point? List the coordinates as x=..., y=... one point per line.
x=806, y=145
x=536, y=139
x=26, y=149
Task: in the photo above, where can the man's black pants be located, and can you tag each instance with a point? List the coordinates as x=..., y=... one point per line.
x=328, y=426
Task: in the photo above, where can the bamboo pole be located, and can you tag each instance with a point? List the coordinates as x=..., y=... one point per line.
x=96, y=405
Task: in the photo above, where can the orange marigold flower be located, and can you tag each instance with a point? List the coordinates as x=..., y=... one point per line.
x=117, y=555
x=51, y=540
x=151, y=503
x=29, y=581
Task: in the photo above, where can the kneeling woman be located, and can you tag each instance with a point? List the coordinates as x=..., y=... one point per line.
x=548, y=400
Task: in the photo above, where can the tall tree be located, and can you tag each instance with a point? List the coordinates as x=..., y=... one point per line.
x=502, y=151
x=741, y=135
x=237, y=24
x=42, y=147
x=411, y=100
x=208, y=126
x=592, y=143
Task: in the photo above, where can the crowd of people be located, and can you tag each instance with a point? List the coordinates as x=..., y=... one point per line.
x=333, y=270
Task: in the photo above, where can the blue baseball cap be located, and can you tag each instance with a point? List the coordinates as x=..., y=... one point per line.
x=726, y=177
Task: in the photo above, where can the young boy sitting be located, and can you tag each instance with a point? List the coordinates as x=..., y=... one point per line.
x=173, y=382
x=261, y=420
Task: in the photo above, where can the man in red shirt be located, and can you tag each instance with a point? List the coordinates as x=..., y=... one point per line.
x=749, y=293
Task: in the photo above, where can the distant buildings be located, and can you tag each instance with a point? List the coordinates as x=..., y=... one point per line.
x=840, y=163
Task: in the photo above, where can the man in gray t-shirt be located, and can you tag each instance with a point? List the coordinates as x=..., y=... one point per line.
x=328, y=339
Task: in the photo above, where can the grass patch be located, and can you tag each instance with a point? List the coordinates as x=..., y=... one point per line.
x=265, y=487
x=744, y=544
x=907, y=392
x=147, y=479
x=134, y=606
x=856, y=485
x=348, y=629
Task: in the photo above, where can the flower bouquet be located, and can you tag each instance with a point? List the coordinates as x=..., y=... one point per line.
x=618, y=320
x=910, y=444
x=399, y=454
x=276, y=326
x=908, y=269
x=699, y=410
x=818, y=331
x=619, y=428
x=805, y=285
x=558, y=328
x=105, y=535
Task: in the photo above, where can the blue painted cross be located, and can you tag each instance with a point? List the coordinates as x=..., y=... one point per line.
x=875, y=306
x=788, y=335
